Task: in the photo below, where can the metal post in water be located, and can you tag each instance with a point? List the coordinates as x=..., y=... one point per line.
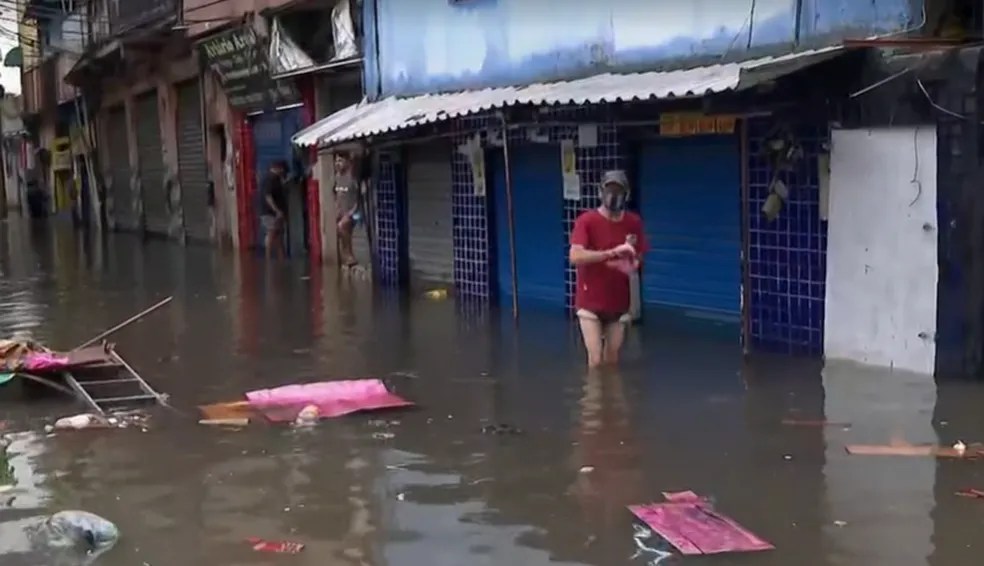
x=746, y=280
x=509, y=209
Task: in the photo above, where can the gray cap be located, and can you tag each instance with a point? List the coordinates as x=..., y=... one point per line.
x=615, y=176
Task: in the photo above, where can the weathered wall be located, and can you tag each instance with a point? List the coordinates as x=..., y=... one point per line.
x=219, y=116
x=431, y=45
x=881, y=308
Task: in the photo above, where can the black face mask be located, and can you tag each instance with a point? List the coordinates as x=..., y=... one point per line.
x=614, y=200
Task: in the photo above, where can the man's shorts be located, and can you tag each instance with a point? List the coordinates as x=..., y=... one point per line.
x=355, y=216
x=270, y=223
x=605, y=318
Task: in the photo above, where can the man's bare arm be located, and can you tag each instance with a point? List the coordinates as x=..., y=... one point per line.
x=580, y=256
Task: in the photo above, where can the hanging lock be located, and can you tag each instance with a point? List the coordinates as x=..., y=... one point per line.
x=927, y=227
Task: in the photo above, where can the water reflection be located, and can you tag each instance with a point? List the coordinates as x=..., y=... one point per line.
x=607, y=459
x=684, y=412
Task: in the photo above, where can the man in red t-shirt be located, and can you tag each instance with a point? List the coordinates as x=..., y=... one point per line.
x=606, y=245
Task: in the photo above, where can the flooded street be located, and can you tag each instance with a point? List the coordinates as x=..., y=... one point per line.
x=427, y=486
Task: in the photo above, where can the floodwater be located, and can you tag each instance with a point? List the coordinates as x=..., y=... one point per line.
x=427, y=487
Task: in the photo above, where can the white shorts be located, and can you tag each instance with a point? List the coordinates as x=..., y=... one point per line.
x=604, y=318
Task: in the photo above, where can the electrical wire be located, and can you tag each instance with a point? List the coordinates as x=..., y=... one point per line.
x=747, y=22
x=751, y=25
x=915, y=171
x=937, y=106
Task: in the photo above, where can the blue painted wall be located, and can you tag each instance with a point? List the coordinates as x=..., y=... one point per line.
x=437, y=45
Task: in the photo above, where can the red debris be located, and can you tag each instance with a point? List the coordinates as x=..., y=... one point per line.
x=275, y=546
x=972, y=493
x=691, y=524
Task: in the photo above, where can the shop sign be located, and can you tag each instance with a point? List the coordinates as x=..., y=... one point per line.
x=240, y=59
x=679, y=124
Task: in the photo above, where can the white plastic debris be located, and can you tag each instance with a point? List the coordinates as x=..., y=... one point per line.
x=83, y=528
x=308, y=416
x=77, y=422
x=960, y=447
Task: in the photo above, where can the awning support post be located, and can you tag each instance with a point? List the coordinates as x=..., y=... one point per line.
x=511, y=219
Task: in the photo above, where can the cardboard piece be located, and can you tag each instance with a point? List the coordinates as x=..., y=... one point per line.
x=228, y=410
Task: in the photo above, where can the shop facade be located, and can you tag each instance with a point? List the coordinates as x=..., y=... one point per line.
x=484, y=202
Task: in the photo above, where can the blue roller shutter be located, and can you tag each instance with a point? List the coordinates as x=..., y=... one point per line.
x=690, y=202
x=541, y=244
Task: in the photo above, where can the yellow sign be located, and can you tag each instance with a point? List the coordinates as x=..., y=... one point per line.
x=61, y=157
x=695, y=124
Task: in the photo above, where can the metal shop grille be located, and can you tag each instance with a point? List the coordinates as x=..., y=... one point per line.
x=387, y=221
x=787, y=256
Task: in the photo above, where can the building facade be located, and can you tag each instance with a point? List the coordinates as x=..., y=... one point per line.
x=175, y=139
x=52, y=37
x=491, y=122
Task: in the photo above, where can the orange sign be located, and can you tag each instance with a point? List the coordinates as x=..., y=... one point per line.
x=679, y=124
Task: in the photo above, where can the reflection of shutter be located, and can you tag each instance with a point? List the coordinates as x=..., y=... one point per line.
x=118, y=159
x=429, y=212
x=192, y=167
x=150, y=160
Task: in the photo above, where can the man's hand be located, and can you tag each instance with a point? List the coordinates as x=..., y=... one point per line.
x=625, y=250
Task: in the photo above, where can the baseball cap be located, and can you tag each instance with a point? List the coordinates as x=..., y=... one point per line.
x=617, y=177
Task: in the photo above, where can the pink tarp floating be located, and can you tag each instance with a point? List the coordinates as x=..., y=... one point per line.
x=690, y=524
x=44, y=361
x=333, y=398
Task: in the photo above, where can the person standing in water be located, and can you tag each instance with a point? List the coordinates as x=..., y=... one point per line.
x=606, y=246
x=274, y=209
x=349, y=189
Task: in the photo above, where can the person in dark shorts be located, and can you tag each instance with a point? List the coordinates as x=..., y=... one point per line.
x=274, y=209
x=349, y=190
x=606, y=246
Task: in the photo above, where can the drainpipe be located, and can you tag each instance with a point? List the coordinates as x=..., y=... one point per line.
x=797, y=25
x=375, y=39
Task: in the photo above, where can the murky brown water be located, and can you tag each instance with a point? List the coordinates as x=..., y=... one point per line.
x=685, y=412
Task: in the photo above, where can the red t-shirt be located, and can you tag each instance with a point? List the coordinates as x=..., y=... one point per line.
x=601, y=287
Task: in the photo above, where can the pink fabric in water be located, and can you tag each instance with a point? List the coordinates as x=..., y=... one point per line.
x=333, y=398
x=691, y=525
x=43, y=361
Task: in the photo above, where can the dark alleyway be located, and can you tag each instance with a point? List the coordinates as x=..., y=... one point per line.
x=685, y=412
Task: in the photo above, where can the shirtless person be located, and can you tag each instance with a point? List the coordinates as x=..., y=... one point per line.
x=606, y=245
x=349, y=190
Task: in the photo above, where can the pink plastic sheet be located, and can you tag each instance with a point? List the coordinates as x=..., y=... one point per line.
x=333, y=398
x=44, y=361
x=689, y=523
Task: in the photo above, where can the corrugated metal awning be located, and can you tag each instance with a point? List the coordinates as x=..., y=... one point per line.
x=392, y=114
